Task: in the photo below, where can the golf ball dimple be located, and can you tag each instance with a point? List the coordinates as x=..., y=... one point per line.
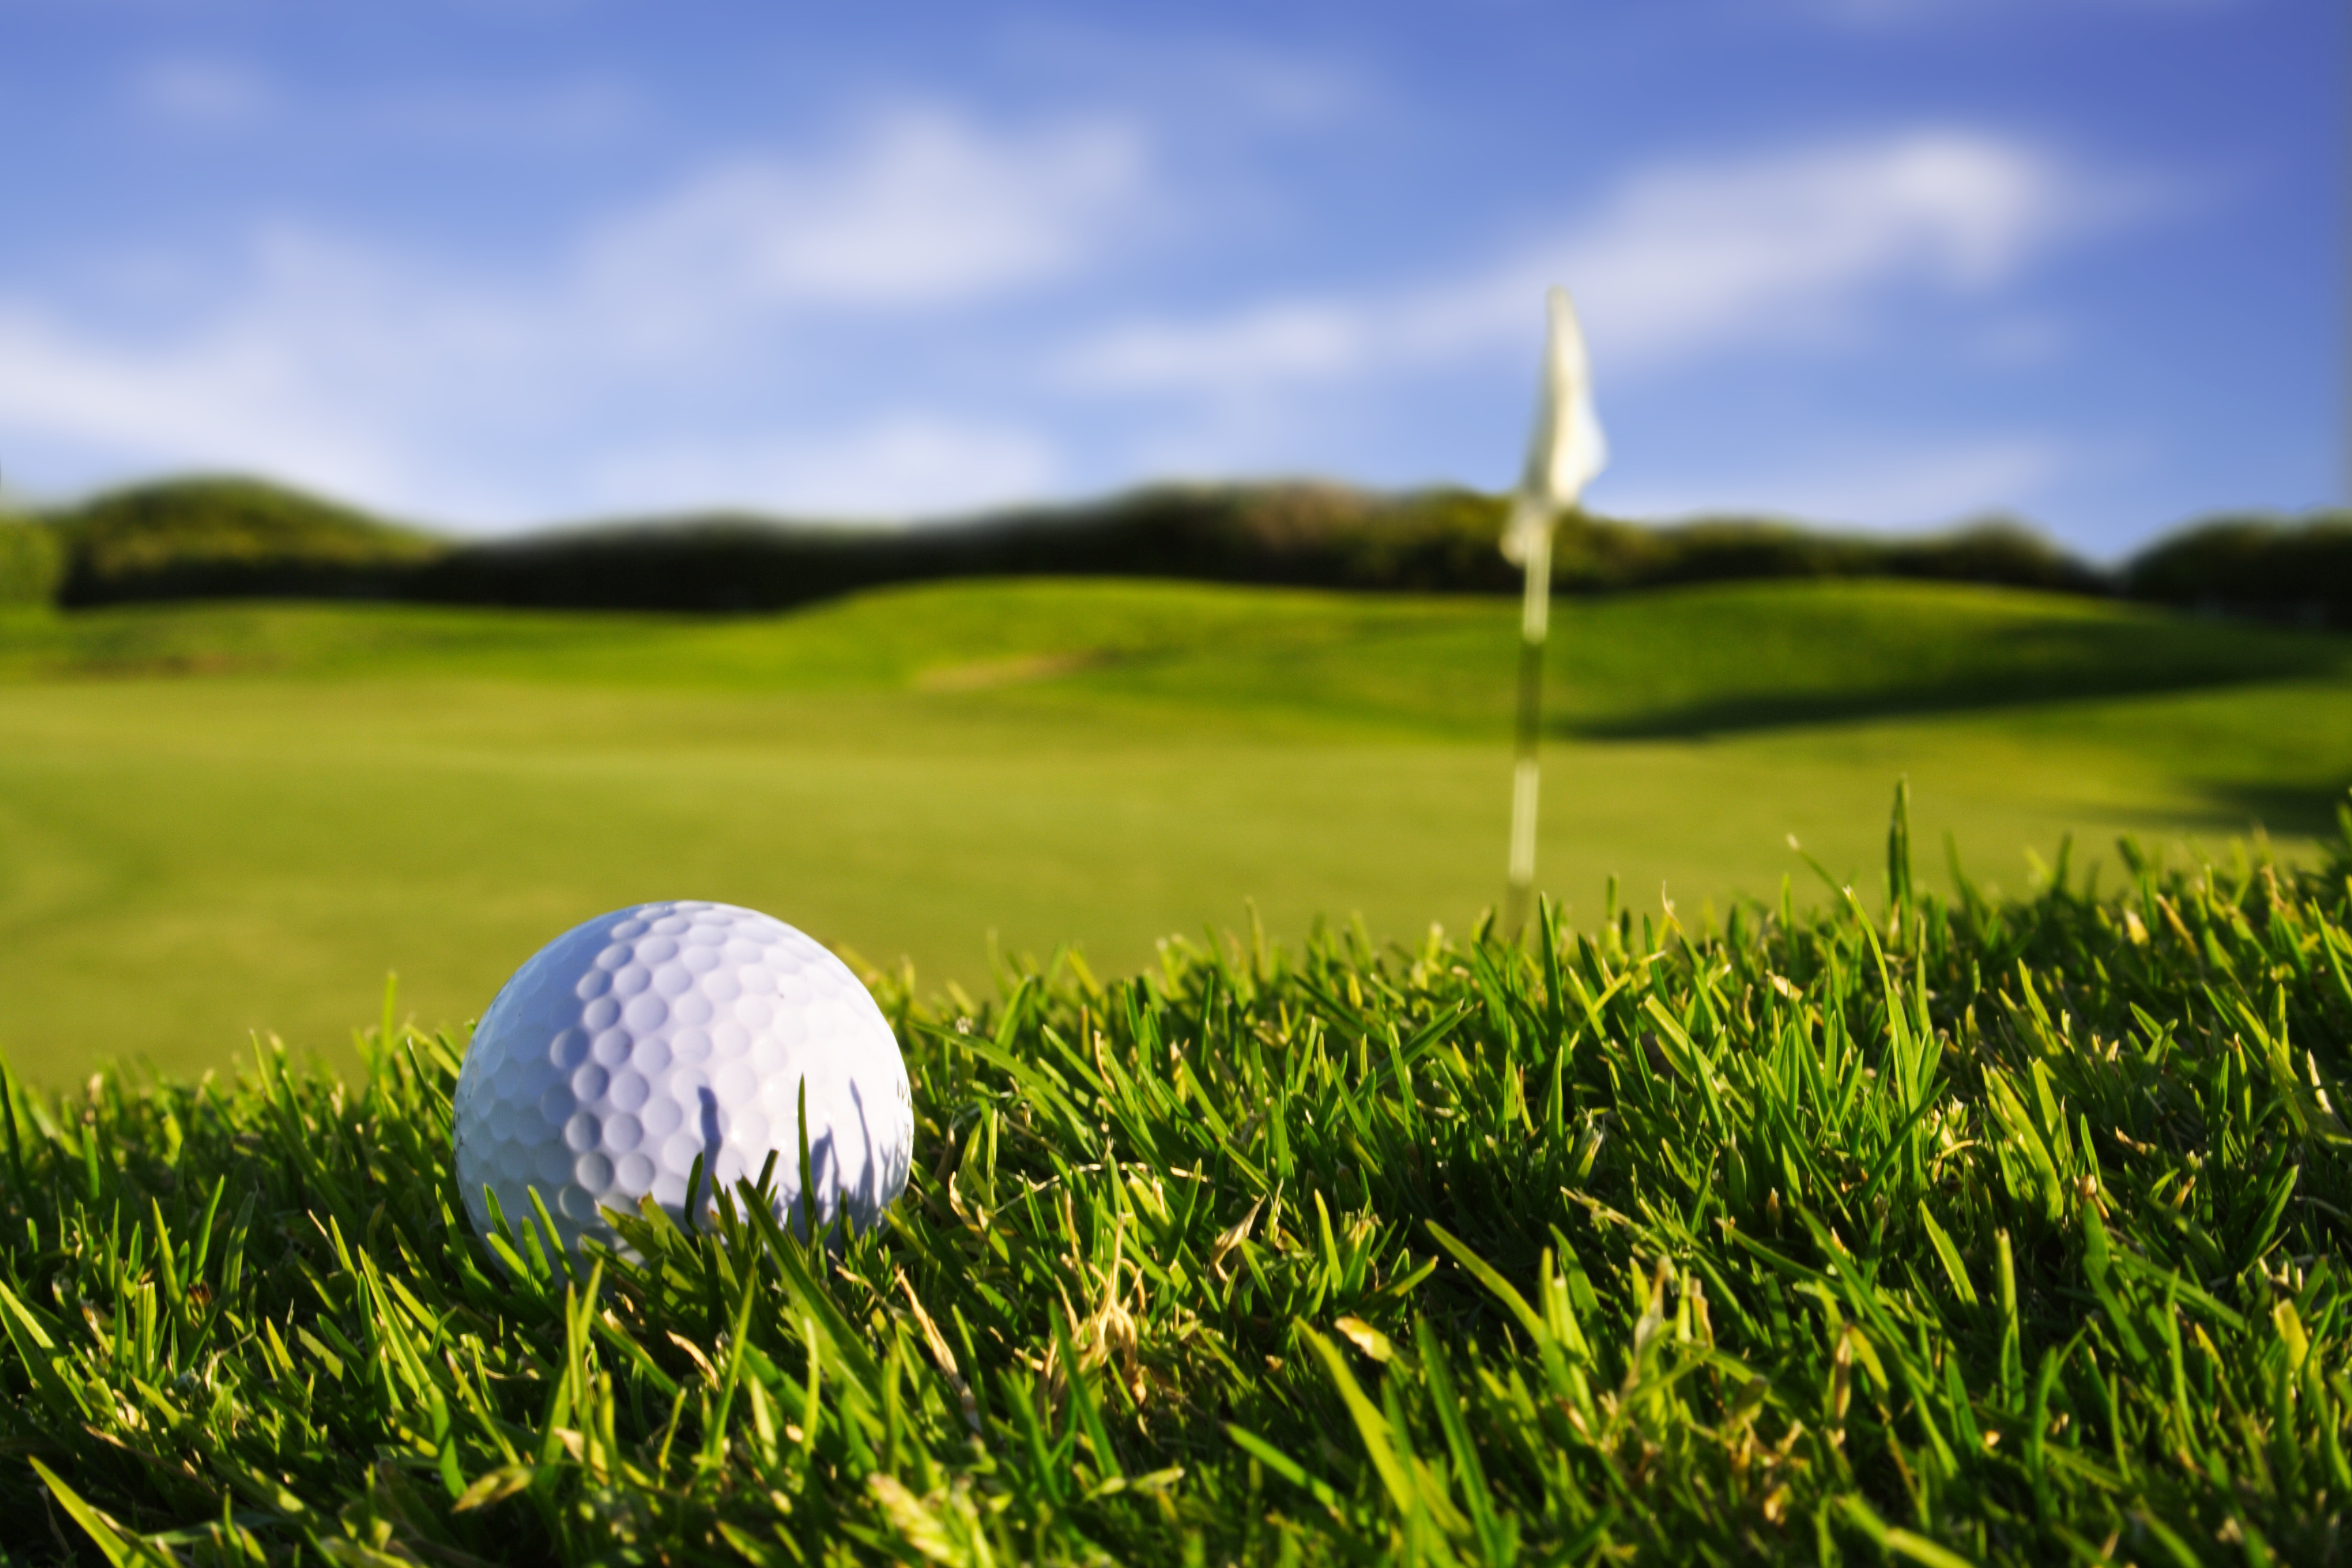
x=631, y=1045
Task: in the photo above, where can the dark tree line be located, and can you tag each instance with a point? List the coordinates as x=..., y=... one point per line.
x=235, y=538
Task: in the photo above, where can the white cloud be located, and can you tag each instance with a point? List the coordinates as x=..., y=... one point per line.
x=1277, y=342
x=1684, y=260
x=415, y=386
x=1694, y=259
x=896, y=466
x=333, y=366
x=925, y=210
x=1899, y=486
x=716, y=342
x=208, y=94
x=223, y=398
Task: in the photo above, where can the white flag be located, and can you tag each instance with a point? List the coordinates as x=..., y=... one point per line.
x=1567, y=449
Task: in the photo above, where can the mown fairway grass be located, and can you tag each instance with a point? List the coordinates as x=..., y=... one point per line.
x=1915, y=1229
x=221, y=818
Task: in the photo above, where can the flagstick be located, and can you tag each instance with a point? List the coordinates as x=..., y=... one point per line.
x=1566, y=450
x=1535, y=616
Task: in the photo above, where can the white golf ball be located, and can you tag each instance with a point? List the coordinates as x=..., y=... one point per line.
x=630, y=1047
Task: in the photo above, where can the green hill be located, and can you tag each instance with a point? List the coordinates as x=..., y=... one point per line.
x=2298, y=569
x=1715, y=657
x=1297, y=535
x=242, y=538
x=231, y=538
x=220, y=817
x=31, y=561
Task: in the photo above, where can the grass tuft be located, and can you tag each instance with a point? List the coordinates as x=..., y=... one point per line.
x=1934, y=1229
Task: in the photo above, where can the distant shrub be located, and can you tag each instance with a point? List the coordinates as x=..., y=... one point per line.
x=1995, y=549
x=2255, y=564
x=1306, y=535
x=722, y=563
x=231, y=538
x=31, y=562
x=216, y=538
x=1596, y=555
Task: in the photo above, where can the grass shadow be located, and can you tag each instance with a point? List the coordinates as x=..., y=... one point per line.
x=2049, y=665
x=2301, y=810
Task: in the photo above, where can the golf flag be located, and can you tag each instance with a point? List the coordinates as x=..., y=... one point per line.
x=1563, y=455
x=1567, y=449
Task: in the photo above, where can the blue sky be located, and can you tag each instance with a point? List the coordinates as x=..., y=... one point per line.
x=1883, y=263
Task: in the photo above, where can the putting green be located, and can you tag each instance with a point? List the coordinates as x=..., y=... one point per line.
x=224, y=819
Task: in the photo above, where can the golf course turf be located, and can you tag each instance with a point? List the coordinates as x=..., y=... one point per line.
x=216, y=819
x=1884, y=1215
x=1913, y=1228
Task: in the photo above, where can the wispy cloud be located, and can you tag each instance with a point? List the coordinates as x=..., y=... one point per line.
x=893, y=465
x=1796, y=248
x=424, y=385
x=921, y=209
x=1883, y=484
x=202, y=93
x=797, y=329
x=227, y=396
x=1285, y=341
